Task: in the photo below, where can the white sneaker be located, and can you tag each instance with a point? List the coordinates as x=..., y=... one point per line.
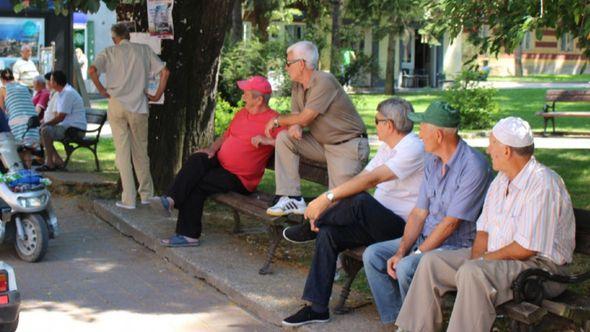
x=124, y=206
x=286, y=206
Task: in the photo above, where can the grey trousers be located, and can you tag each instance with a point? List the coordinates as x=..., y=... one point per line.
x=481, y=286
x=343, y=160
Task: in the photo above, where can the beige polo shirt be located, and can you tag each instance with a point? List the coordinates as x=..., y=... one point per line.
x=338, y=119
x=127, y=67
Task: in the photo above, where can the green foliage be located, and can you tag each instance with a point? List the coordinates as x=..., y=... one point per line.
x=476, y=104
x=508, y=21
x=246, y=59
x=358, y=65
x=224, y=113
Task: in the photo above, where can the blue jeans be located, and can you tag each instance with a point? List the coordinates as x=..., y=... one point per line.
x=389, y=293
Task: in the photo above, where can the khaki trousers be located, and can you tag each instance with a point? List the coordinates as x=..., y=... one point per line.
x=130, y=132
x=343, y=160
x=481, y=286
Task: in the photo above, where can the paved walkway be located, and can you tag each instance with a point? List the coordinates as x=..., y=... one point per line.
x=95, y=279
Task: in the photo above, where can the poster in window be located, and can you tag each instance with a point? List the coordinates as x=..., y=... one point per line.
x=15, y=32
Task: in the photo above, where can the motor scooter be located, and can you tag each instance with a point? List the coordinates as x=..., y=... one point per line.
x=27, y=217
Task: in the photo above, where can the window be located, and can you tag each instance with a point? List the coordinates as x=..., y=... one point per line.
x=566, y=42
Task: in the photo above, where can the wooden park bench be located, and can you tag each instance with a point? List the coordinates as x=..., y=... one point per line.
x=529, y=306
x=96, y=118
x=255, y=205
x=553, y=96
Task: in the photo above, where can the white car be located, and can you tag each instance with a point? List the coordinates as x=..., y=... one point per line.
x=9, y=299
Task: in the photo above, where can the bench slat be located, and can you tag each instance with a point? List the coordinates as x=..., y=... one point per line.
x=564, y=114
x=567, y=95
x=250, y=204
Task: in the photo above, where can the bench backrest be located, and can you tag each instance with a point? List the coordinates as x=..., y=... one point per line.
x=94, y=116
x=582, y=231
x=567, y=95
x=308, y=170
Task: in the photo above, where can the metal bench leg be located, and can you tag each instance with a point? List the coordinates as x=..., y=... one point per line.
x=96, y=157
x=351, y=267
x=237, y=222
x=516, y=326
x=553, y=122
x=545, y=120
x=275, y=232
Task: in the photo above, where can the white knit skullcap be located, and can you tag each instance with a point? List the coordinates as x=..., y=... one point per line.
x=514, y=132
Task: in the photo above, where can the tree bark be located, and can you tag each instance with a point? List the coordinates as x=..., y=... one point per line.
x=390, y=65
x=518, y=61
x=237, y=27
x=261, y=16
x=185, y=121
x=335, y=42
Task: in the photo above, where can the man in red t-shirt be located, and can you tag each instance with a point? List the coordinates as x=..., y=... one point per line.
x=234, y=162
x=41, y=96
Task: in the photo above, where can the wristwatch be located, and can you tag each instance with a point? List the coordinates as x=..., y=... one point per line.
x=275, y=122
x=330, y=195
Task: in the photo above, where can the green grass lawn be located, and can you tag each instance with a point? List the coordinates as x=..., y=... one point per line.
x=523, y=103
x=584, y=78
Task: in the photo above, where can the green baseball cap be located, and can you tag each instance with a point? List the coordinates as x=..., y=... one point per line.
x=440, y=114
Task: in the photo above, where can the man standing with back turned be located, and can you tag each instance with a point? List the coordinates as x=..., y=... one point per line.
x=127, y=67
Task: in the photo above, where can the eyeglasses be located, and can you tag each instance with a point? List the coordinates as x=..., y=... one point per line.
x=289, y=63
x=377, y=120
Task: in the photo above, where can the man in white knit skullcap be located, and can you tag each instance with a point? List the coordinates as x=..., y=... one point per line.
x=527, y=222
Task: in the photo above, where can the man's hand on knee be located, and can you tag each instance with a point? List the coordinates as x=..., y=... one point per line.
x=295, y=131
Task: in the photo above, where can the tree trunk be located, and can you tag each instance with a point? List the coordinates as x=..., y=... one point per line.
x=390, y=65
x=518, y=61
x=335, y=42
x=185, y=120
x=261, y=13
x=237, y=27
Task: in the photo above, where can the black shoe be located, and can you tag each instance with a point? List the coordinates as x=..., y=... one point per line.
x=306, y=316
x=299, y=233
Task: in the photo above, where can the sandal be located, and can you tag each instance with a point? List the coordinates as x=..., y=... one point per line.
x=45, y=168
x=179, y=241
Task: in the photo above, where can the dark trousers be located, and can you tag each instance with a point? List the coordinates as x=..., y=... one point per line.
x=198, y=178
x=355, y=221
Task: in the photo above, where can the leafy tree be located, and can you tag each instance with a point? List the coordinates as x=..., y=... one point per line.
x=508, y=21
x=186, y=119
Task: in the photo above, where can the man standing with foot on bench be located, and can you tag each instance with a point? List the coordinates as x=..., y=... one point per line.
x=336, y=136
x=359, y=219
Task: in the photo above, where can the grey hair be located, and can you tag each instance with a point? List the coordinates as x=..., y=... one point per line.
x=39, y=79
x=120, y=30
x=307, y=51
x=447, y=130
x=266, y=97
x=525, y=151
x=397, y=110
x=25, y=47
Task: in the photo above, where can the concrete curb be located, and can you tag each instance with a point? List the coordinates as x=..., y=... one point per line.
x=269, y=297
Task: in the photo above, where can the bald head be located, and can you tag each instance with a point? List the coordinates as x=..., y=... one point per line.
x=26, y=51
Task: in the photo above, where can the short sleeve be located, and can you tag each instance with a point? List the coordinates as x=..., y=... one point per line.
x=156, y=65
x=376, y=161
x=423, y=201
x=321, y=95
x=65, y=104
x=468, y=196
x=406, y=161
x=100, y=62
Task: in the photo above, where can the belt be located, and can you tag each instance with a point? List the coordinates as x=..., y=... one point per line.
x=363, y=135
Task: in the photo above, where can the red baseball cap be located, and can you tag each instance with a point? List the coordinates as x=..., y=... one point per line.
x=256, y=83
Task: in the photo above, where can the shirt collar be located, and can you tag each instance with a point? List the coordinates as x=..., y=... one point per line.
x=522, y=177
x=123, y=41
x=456, y=155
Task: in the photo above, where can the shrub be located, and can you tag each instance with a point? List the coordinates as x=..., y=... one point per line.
x=224, y=113
x=476, y=104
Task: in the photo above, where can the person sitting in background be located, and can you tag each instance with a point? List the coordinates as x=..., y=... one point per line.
x=16, y=101
x=51, y=109
x=41, y=95
x=234, y=162
x=69, y=120
x=24, y=69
